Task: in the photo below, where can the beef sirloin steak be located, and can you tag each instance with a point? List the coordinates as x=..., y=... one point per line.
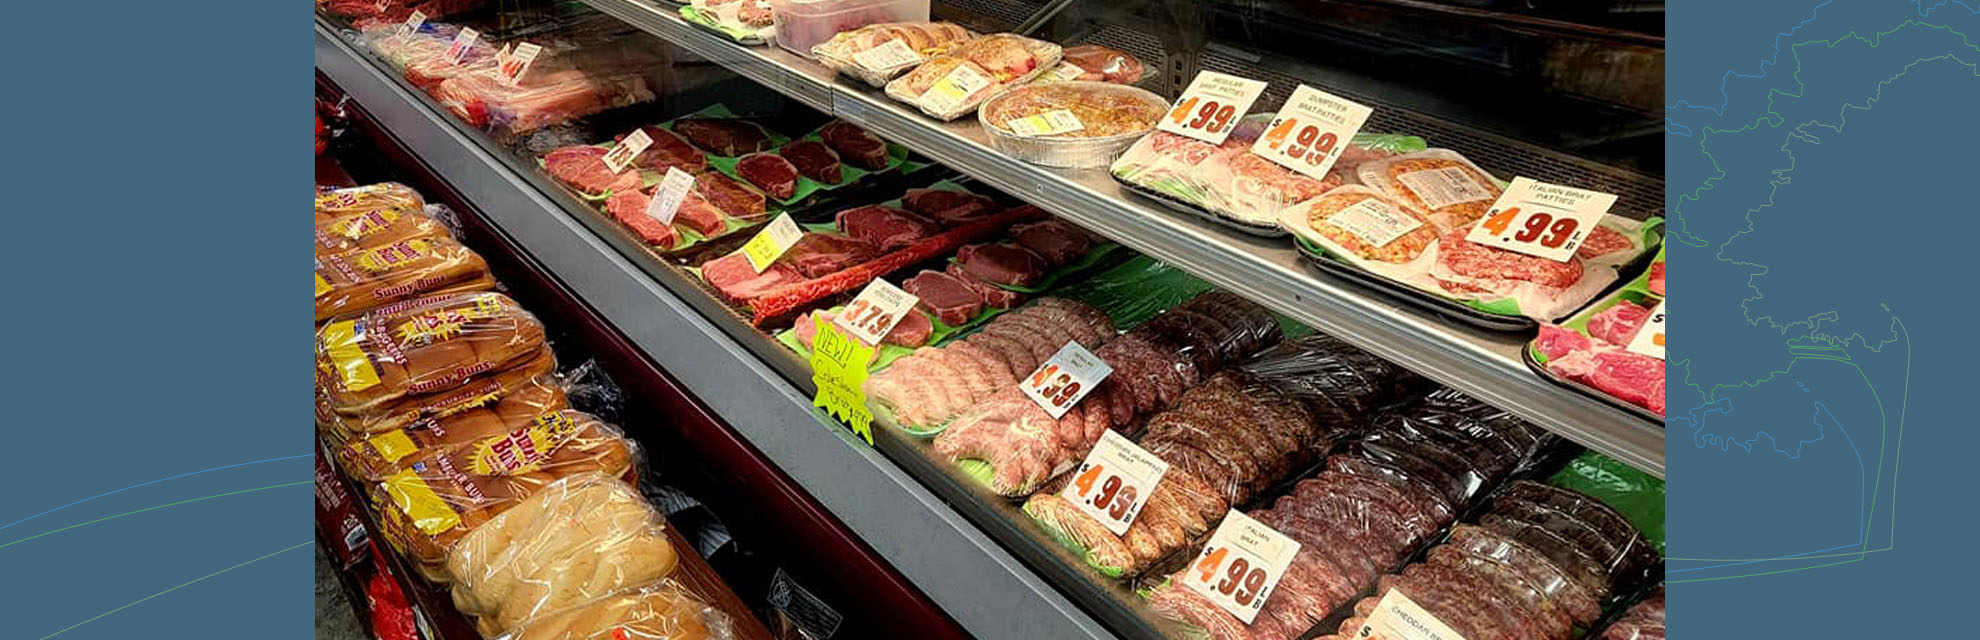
x=950, y=299
x=855, y=145
x=886, y=227
x=813, y=160
x=771, y=173
x=949, y=207
x=582, y=167
x=724, y=136
x=1002, y=263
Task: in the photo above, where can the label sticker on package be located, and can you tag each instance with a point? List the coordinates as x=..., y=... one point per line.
x=771, y=243
x=1444, y=186
x=622, y=154
x=1396, y=617
x=666, y=201
x=1310, y=132
x=838, y=369
x=518, y=62
x=1540, y=219
x=1374, y=221
x=1065, y=72
x=1212, y=105
x=875, y=311
x=891, y=54
x=1063, y=379
x=1649, y=339
x=1115, y=481
x=463, y=41
x=413, y=23
x=1050, y=123
x=1240, y=565
x=952, y=89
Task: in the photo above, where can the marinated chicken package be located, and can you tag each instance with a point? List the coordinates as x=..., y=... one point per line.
x=953, y=84
x=1069, y=124
x=877, y=53
x=744, y=21
x=1597, y=351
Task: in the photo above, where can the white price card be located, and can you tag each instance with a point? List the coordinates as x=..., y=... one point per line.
x=1240, y=565
x=1063, y=379
x=1212, y=106
x=1396, y=617
x=413, y=23
x=1115, y=481
x=1375, y=221
x=771, y=243
x=1310, y=132
x=1050, y=123
x=518, y=62
x=875, y=311
x=891, y=54
x=1540, y=219
x=950, y=91
x=1649, y=339
x=667, y=199
x=463, y=42
x=622, y=154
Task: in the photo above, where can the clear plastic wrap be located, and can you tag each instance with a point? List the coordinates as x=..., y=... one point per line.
x=360, y=279
x=570, y=79
x=923, y=40
x=802, y=25
x=577, y=539
x=1539, y=572
x=994, y=62
x=480, y=411
x=373, y=229
x=745, y=21
x=1362, y=222
x=422, y=346
x=1103, y=64
x=1450, y=190
x=1110, y=117
x=1623, y=550
x=1230, y=182
x=664, y=611
x=1643, y=621
x=926, y=390
x=332, y=204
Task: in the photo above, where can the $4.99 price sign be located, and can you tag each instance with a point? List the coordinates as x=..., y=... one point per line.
x=1115, y=481
x=875, y=312
x=1211, y=107
x=1241, y=565
x=1310, y=132
x=1540, y=219
x=1062, y=380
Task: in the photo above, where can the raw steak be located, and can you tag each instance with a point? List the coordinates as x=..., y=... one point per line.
x=1618, y=324
x=699, y=214
x=1058, y=241
x=629, y=208
x=1002, y=263
x=738, y=283
x=669, y=150
x=733, y=198
x=948, y=207
x=912, y=331
x=1467, y=258
x=885, y=227
x=1556, y=342
x=951, y=300
x=724, y=136
x=583, y=168
x=992, y=295
x=855, y=145
x=771, y=173
x=1603, y=241
x=792, y=299
x=817, y=254
x=1656, y=283
x=813, y=160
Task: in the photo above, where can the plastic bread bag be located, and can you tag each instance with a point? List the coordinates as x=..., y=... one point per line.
x=373, y=229
x=482, y=412
x=1444, y=185
x=577, y=539
x=848, y=51
x=361, y=279
x=448, y=492
x=332, y=204
x=421, y=346
x=481, y=391
x=664, y=611
x=744, y=21
x=951, y=85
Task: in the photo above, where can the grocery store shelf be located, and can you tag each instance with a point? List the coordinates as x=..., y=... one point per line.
x=1482, y=363
x=987, y=590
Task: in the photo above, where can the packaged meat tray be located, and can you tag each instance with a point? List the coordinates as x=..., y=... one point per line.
x=803, y=25
x=568, y=80
x=360, y=279
x=1096, y=63
x=869, y=53
x=1591, y=353
x=1069, y=124
x=953, y=84
x=1448, y=188
x=419, y=347
x=747, y=22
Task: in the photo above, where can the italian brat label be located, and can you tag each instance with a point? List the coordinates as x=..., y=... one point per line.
x=1396, y=617
x=1445, y=186
x=622, y=154
x=1374, y=221
x=950, y=91
x=1540, y=219
x=1063, y=379
x=876, y=310
x=666, y=202
x=1115, y=481
x=1241, y=565
x=1050, y=123
x=1649, y=339
x=890, y=55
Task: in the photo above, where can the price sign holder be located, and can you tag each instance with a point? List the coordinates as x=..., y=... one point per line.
x=1396, y=617
x=1241, y=565
x=413, y=23
x=518, y=61
x=1540, y=219
x=1212, y=105
x=1059, y=383
x=666, y=201
x=463, y=42
x=771, y=243
x=623, y=153
x=838, y=369
x=1649, y=339
x=1115, y=481
x=1310, y=132
x=875, y=311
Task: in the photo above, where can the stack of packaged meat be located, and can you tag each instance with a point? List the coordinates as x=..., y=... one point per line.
x=848, y=51
x=1230, y=181
x=569, y=79
x=934, y=385
x=1152, y=366
x=1228, y=440
x=1381, y=498
x=953, y=84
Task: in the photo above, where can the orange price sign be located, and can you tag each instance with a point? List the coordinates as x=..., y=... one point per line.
x=1540, y=219
x=1212, y=105
x=875, y=311
x=1241, y=565
x=1114, y=482
x=1310, y=132
x=1063, y=379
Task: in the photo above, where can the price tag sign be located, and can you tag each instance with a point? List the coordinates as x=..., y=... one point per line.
x=1211, y=107
x=875, y=311
x=1540, y=219
x=517, y=62
x=1063, y=379
x=622, y=154
x=463, y=41
x=953, y=88
x=838, y=369
x=1240, y=565
x=1396, y=617
x=771, y=243
x=1065, y=72
x=413, y=23
x=1649, y=339
x=1115, y=481
x=1310, y=132
x=1050, y=123
x=667, y=200
x=889, y=55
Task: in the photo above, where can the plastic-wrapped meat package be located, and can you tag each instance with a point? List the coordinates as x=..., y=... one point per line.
x=1228, y=179
x=923, y=39
x=568, y=80
x=1569, y=557
x=1449, y=188
x=1643, y=621
x=991, y=64
x=1539, y=572
x=1103, y=64
x=1598, y=529
x=929, y=388
x=1549, y=618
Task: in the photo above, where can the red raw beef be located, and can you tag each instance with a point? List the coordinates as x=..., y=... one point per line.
x=791, y=298
x=724, y=136
x=733, y=198
x=1057, y=241
x=629, y=208
x=813, y=160
x=1556, y=342
x=669, y=150
x=948, y=207
x=769, y=172
x=739, y=284
x=912, y=331
x=583, y=168
x=992, y=295
x=1002, y=263
x=1468, y=258
x=1602, y=241
x=855, y=145
x=1657, y=277
x=950, y=299
x=886, y=227
x=699, y=214
x=1629, y=376
x=818, y=254
x=1618, y=324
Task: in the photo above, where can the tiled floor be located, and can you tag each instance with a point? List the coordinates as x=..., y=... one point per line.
x=334, y=618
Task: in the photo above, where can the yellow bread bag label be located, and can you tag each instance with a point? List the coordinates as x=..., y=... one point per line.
x=392, y=445
x=425, y=508
x=342, y=343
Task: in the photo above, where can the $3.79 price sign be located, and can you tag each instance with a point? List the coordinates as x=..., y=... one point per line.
x=1114, y=482
x=1241, y=565
x=1211, y=107
x=1310, y=131
x=1540, y=219
x=1063, y=379
x=875, y=311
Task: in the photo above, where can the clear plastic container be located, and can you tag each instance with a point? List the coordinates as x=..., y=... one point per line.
x=1138, y=109
x=803, y=23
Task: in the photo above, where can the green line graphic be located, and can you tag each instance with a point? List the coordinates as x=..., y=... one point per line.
x=154, y=508
x=181, y=586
